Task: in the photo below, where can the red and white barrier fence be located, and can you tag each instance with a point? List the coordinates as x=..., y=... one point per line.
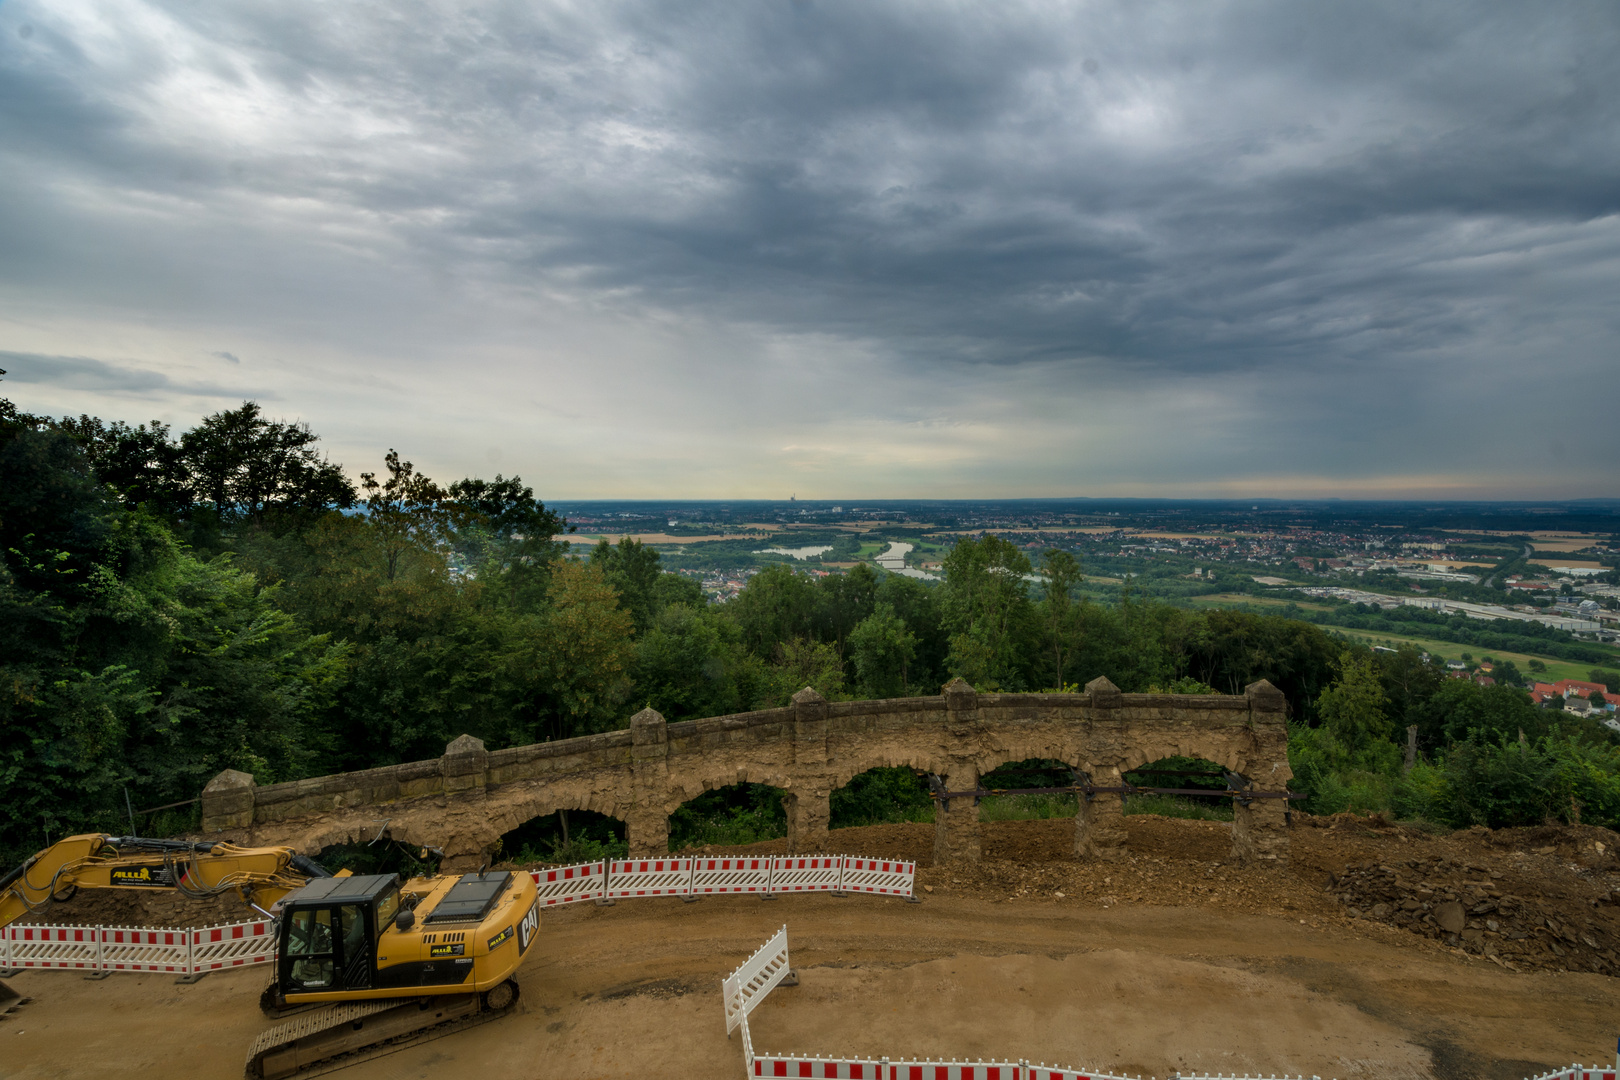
x=128, y=949
x=569, y=884
x=216, y=948
x=720, y=876
x=137, y=948
x=688, y=877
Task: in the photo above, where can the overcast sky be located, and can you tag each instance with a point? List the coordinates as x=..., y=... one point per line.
x=750, y=249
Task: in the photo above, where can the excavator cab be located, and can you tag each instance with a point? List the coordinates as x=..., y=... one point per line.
x=329, y=934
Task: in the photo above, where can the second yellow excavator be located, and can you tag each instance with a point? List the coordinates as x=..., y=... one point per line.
x=370, y=964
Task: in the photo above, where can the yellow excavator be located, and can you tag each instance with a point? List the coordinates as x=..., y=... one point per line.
x=369, y=964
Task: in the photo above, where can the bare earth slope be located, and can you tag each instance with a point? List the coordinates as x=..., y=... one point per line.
x=1170, y=961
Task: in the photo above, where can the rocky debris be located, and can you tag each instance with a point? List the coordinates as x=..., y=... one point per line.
x=1524, y=910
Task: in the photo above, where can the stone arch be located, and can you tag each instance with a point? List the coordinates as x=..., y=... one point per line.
x=881, y=791
x=769, y=804
x=1185, y=772
x=566, y=835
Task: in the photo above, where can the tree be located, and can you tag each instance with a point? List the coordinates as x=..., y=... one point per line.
x=691, y=663
x=800, y=663
x=985, y=604
x=407, y=510
x=842, y=601
x=141, y=464
x=776, y=606
x=242, y=465
x=1354, y=709
x=1062, y=573
x=631, y=568
x=584, y=650
x=500, y=528
x=883, y=648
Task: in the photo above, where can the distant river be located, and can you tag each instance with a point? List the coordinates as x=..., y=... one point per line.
x=893, y=559
x=796, y=553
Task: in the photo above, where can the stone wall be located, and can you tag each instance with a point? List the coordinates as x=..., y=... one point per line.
x=464, y=801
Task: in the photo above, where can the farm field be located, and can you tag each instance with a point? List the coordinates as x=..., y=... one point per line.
x=1556, y=669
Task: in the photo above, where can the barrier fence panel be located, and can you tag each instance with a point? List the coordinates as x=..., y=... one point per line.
x=886, y=876
x=649, y=877
x=44, y=947
x=570, y=884
x=216, y=948
x=756, y=977
x=955, y=1070
x=839, y=1068
x=5, y=949
x=819, y=873
x=712, y=876
x=124, y=948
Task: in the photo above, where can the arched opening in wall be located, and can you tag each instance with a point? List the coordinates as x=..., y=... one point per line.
x=1016, y=805
x=729, y=816
x=383, y=855
x=881, y=796
x=1185, y=774
x=564, y=838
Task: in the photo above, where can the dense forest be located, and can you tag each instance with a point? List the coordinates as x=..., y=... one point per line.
x=172, y=605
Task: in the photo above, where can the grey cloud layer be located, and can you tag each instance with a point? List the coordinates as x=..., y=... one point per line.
x=1377, y=216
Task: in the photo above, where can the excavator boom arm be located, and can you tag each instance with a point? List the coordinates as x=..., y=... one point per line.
x=261, y=876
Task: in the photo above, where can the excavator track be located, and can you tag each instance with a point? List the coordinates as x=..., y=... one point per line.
x=338, y=1036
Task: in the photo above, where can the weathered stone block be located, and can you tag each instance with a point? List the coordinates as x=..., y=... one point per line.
x=227, y=801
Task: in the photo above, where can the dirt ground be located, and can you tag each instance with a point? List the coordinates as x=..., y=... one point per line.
x=1172, y=960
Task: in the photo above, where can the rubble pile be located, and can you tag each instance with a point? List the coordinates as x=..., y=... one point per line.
x=1506, y=917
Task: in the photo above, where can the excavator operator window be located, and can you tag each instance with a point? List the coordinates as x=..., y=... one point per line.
x=387, y=908
x=356, y=947
x=309, y=949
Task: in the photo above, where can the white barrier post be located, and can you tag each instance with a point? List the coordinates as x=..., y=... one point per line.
x=757, y=976
x=101, y=971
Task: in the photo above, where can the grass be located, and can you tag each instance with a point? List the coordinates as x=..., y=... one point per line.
x=1451, y=650
x=1027, y=807
x=1223, y=599
x=1178, y=806
x=1040, y=807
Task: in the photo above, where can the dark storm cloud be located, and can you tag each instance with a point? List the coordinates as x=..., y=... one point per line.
x=1321, y=197
x=103, y=377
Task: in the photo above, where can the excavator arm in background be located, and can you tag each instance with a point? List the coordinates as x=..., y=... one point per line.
x=260, y=876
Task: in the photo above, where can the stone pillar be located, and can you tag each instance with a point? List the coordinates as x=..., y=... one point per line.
x=956, y=824
x=465, y=765
x=808, y=813
x=646, y=825
x=227, y=802
x=1099, y=825
x=809, y=727
x=1260, y=827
